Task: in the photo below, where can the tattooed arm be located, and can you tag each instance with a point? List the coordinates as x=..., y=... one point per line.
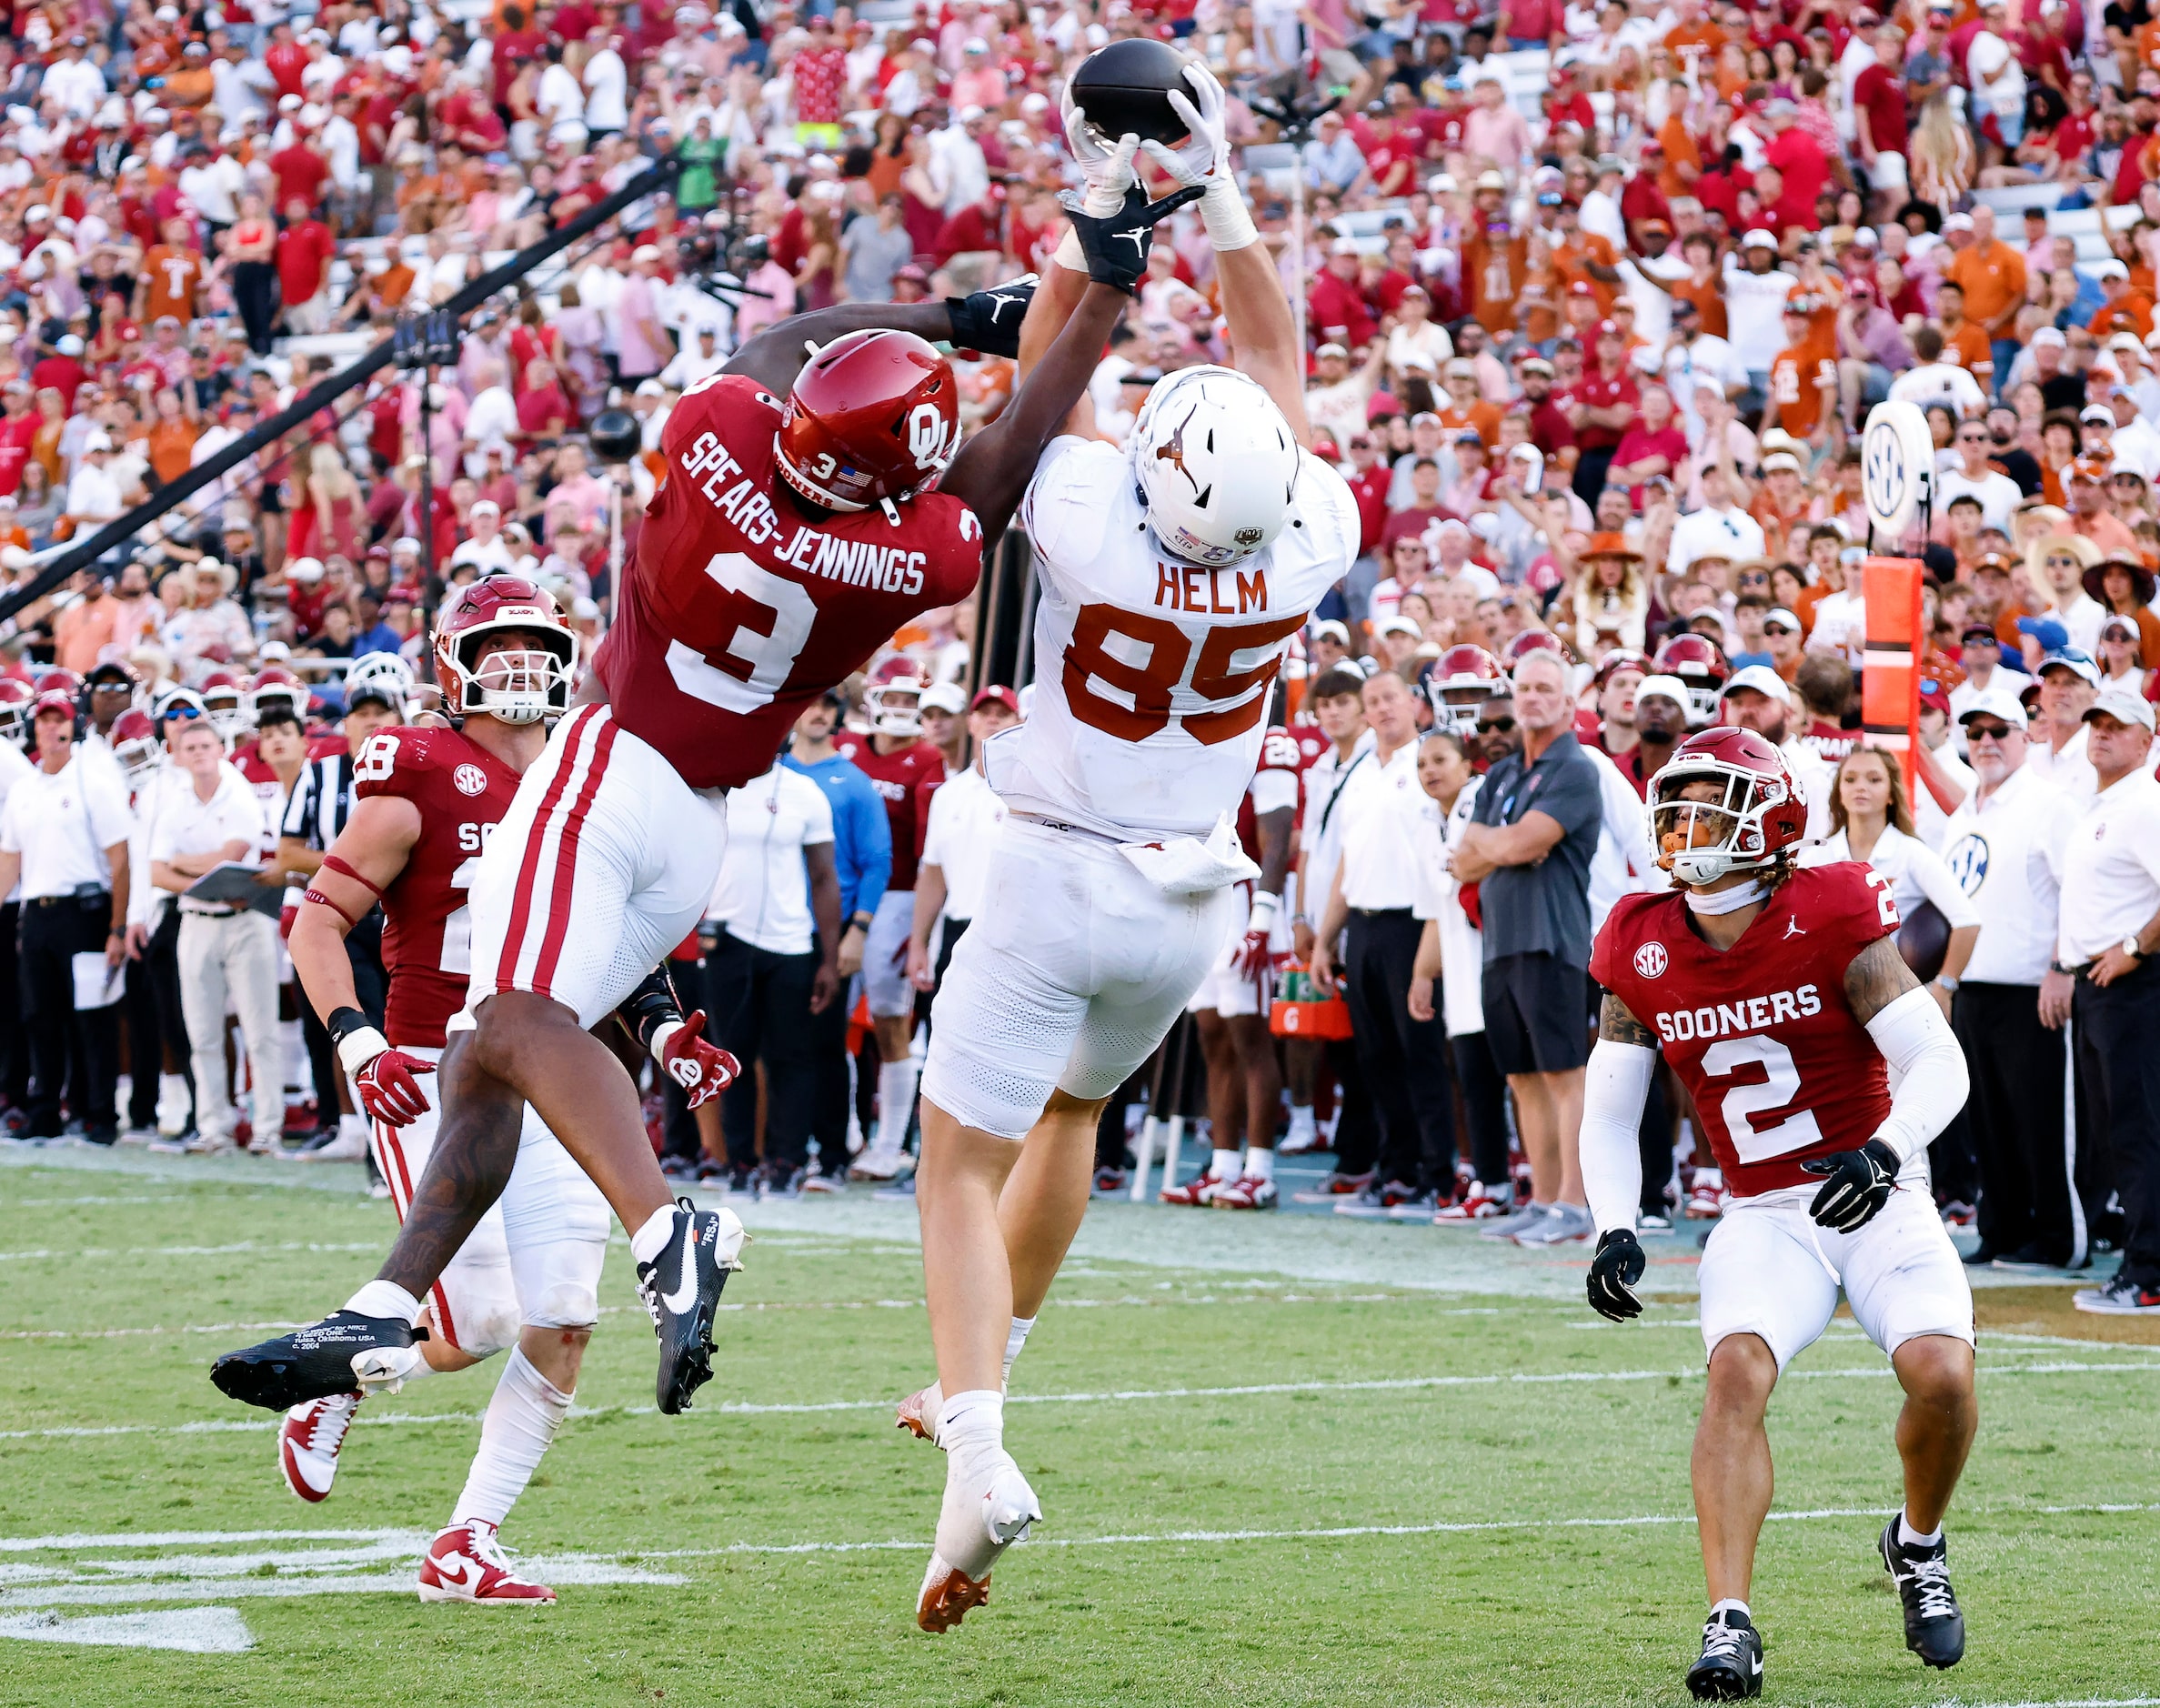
x=1927, y=1068
x=1613, y=1094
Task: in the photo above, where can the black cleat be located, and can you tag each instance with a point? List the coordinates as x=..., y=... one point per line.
x=1934, y=1628
x=1731, y=1667
x=343, y=1350
x=681, y=1289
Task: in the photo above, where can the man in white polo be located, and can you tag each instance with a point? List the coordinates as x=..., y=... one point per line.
x=2109, y=939
x=228, y=955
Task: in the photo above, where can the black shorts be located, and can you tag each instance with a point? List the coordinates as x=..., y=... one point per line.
x=1535, y=1009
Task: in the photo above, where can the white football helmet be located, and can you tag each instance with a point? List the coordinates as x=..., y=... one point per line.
x=383, y=673
x=1216, y=463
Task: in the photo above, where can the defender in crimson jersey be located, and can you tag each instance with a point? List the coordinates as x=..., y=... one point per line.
x=1820, y=1069
x=427, y=802
x=812, y=504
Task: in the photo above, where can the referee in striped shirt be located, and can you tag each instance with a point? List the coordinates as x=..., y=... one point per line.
x=320, y=803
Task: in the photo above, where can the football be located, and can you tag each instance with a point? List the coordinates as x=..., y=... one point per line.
x=1124, y=89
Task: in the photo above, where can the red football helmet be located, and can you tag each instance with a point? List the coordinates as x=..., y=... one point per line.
x=1700, y=662
x=224, y=692
x=1462, y=679
x=519, y=687
x=15, y=696
x=1758, y=813
x=137, y=747
x=873, y=416
x=1533, y=640
x=893, y=698
x=54, y=680
x=1621, y=659
x=277, y=685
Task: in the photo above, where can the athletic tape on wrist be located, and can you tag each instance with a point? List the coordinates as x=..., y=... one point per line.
x=1227, y=218
x=357, y=1049
x=1070, y=255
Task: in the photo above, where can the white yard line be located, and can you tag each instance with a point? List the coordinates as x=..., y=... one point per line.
x=192, y=1631
x=1110, y=1396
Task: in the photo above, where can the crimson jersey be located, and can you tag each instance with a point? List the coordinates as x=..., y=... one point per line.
x=904, y=780
x=1281, y=751
x=737, y=610
x=1761, y=1035
x=462, y=791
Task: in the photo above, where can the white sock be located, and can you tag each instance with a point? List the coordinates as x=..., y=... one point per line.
x=522, y=1419
x=1908, y=1537
x=352, y=1127
x=1731, y=1606
x=1016, y=1337
x=971, y=1423
x=385, y=1298
x=651, y=1239
x=1224, y=1165
x=1300, y=1120
x=896, y=1104
x=1259, y=1164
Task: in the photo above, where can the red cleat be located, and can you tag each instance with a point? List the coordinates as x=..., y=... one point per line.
x=466, y=1564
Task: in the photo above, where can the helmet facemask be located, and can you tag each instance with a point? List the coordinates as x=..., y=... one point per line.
x=1701, y=840
x=519, y=686
x=895, y=708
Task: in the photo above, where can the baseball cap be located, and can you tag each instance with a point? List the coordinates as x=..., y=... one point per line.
x=2071, y=659
x=2119, y=703
x=1934, y=699
x=2050, y=634
x=1983, y=632
x=1996, y=702
x=2049, y=335
x=2098, y=412
x=996, y=694
x=945, y=697
x=487, y=505
x=2094, y=469
x=1958, y=222
x=1759, y=677
x=1331, y=349
x=1398, y=625
x=1759, y=239
x=1668, y=687
x=1783, y=619
x=1332, y=631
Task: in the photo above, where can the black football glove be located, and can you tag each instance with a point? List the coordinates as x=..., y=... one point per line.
x=990, y=320
x=1613, y=1272
x=1117, y=248
x=1860, y=1183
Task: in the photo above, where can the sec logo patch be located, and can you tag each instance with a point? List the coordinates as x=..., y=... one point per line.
x=470, y=779
x=1650, y=960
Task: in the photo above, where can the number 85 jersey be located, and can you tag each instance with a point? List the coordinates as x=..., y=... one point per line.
x=1762, y=1036
x=1152, y=674
x=740, y=609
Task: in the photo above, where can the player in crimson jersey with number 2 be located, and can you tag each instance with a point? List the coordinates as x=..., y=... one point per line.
x=1174, y=573
x=1820, y=1070
x=814, y=503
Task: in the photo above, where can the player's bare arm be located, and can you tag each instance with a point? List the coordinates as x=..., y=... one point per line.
x=988, y=321
x=1876, y=977
x=1617, y=1026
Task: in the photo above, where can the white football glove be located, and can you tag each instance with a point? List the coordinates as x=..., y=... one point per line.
x=1108, y=166
x=1204, y=160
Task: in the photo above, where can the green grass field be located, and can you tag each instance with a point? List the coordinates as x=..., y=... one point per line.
x=1376, y=1465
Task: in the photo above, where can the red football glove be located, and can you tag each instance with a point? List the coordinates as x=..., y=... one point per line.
x=388, y=1091
x=1256, y=954
x=703, y=1070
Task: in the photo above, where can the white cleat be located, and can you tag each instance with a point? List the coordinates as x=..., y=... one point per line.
x=308, y=1443
x=987, y=1509
x=383, y=1368
x=919, y=1413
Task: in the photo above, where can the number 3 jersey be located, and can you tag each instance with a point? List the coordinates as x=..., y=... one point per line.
x=1761, y=1035
x=738, y=609
x=462, y=791
x=1152, y=674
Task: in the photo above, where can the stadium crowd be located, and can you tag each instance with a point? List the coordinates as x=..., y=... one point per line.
x=1596, y=298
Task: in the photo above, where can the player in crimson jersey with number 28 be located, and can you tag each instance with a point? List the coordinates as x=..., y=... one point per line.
x=812, y=506
x=1820, y=1070
x=428, y=802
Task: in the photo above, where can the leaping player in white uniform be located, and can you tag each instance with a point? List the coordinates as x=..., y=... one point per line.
x=1173, y=574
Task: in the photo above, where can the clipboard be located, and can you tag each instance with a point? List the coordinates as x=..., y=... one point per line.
x=233, y=884
x=96, y=985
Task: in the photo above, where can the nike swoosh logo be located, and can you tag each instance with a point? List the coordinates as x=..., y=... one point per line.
x=686, y=1295
x=460, y=1570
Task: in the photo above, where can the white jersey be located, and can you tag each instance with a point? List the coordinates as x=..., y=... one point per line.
x=1152, y=674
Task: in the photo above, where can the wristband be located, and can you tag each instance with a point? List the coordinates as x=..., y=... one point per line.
x=1229, y=221
x=1264, y=909
x=358, y=1042
x=661, y=1033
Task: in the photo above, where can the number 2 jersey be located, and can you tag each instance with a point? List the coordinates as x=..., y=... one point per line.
x=1152, y=674
x=461, y=791
x=738, y=609
x=1762, y=1036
